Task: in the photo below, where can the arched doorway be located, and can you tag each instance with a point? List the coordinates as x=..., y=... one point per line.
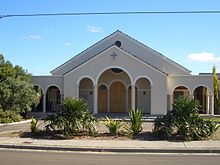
x=180, y=91
x=114, y=93
x=144, y=95
x=102, y=99
x=86, y=92
x=39, y=106
x=201, y=94
x=117, y=97
x=53, y=99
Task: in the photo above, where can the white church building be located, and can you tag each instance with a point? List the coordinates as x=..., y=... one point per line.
x=120, y=73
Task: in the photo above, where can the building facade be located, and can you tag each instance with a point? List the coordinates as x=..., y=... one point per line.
x=119, y=73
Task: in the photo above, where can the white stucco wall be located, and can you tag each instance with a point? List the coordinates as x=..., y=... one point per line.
x=44, y=82
x=132, y=66
x=191, y=82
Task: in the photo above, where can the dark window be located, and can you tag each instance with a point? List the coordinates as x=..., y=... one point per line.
x=116, y=70
x=118, y=43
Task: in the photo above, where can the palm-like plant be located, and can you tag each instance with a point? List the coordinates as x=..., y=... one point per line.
x=113, y=125
x=135, y=124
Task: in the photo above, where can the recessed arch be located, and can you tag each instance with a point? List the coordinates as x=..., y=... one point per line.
x=86, y=91
x=209, y=90
x=179, y=91
x=55, y=85
x=39, y=106
x=110, y=67
x=182, y=85
x=53, y=99
x=143, y=94
x=201, y=93
x=143, y=76
x=43, y=90
x=83, y=77
x=102, y=98
x=113, y=81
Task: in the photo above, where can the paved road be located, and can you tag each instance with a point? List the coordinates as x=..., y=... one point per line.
x=18, y=157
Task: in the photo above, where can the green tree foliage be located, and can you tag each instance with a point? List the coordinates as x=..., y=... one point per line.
x=74, y=117
x=17, y=94
x=216, y=89
x=184, y=122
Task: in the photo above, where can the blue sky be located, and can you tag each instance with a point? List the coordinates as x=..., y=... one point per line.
x=40, y=44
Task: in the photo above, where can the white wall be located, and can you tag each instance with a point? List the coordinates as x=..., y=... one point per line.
x=44, y=82
x=94, y=67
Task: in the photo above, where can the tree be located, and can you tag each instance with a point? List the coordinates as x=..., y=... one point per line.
x=216, y=85
x=17, y=93
x=184, y=122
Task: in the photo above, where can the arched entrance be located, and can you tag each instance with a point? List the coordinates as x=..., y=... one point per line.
x=180, y=91
x=39, y=106
x=144, y=95
x=53, y=99
x=201, y=94
x=112, y=90
x=102, y=99
x=86, y=92
x=117, y=97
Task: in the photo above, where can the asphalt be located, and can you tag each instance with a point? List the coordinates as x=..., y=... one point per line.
x=147, y=146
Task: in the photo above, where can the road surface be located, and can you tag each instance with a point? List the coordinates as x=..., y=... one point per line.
x=24, y=157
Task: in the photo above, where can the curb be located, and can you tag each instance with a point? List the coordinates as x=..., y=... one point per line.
x=124, y=150
x=15, y=123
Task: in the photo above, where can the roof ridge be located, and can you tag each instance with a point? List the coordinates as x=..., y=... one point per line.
x=144, y=61
x=154, y=50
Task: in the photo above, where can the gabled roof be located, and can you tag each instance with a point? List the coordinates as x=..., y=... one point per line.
x=134, y=47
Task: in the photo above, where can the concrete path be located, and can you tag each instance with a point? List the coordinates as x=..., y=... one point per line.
x=111, y=145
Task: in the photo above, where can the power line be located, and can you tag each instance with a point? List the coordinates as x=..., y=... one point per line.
x=112, y=13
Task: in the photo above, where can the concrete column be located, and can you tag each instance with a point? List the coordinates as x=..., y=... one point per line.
x=95, y=102
x=44, y=103
x=212, y=105
x=191, y=96
x=207, y=104
x=171, y=102
x=126, y=101
x=108, y=101
x=133, y=97
x=77, y=91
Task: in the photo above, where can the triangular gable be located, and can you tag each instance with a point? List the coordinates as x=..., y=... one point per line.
x=124, y=51
x=134, y=47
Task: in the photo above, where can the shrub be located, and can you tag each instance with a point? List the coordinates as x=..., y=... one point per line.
x=184, y=122
x=135, y=124
x=9, y=116
x=33, y=125
x=113, y=125
x=74, y=117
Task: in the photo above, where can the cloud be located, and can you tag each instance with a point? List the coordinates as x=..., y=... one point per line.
x=203, y=57
x=33, y=37
x=94, y=29
x=67, y=44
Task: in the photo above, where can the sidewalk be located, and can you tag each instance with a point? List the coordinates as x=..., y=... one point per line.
x=106, y=145
x=112, y=145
